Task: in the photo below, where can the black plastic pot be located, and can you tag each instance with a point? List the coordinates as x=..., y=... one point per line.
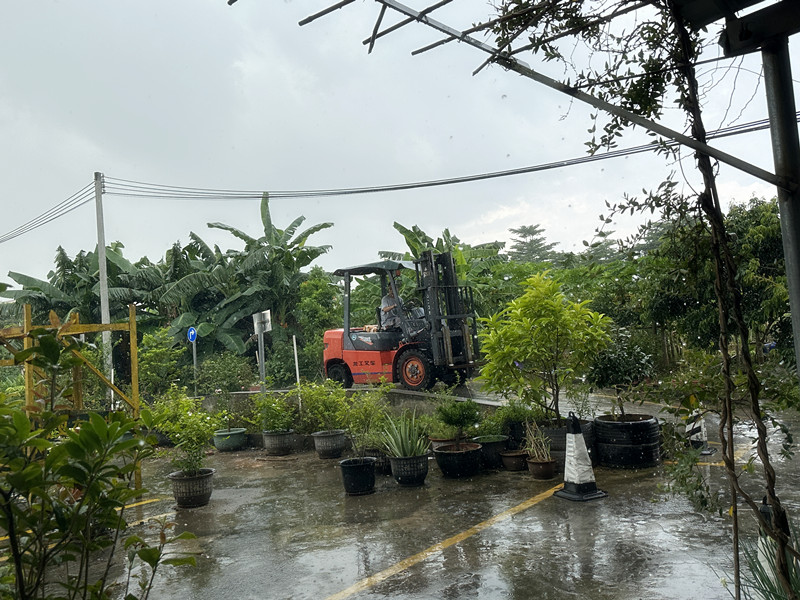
x=358, y=475
x=628, y=442
x=458, y=460
x=278, y=442
x=382, y=464
x=409, y=471
x=192, y=491
x=491, y=447
x=329, y=443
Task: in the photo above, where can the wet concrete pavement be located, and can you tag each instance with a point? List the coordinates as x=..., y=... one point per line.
x=282, y=527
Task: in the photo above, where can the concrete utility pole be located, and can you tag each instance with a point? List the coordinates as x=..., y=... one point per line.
x=105, y=314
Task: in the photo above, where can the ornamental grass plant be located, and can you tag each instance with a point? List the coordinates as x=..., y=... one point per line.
x=403, y=437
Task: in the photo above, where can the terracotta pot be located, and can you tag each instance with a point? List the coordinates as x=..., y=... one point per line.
x=542, y=469
x=514, y=460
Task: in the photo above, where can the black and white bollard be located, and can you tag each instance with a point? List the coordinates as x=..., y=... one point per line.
x=579, y=484
x=696, y=433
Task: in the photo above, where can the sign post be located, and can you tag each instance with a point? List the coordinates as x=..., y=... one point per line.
x=262, y=322
x=192, y=336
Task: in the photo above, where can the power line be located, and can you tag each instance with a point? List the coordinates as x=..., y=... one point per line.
x=137, y=189
x=77, y=200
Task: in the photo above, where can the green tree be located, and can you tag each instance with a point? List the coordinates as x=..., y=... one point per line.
x=319, y=309
x=531, y=245
x=541, y=344
x=221, y=294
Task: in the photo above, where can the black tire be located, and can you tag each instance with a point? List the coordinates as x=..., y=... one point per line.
x=617, y=456
x=635, y=429
x=414, y=371
x=340, y=374
x=634, y=443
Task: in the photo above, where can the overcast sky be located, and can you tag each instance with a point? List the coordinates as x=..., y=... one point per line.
x=201, y=94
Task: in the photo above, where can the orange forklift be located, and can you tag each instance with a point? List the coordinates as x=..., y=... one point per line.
x=436, y=340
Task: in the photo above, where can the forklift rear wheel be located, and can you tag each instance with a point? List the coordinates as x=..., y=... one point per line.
x=414, y=371
x=340, y=374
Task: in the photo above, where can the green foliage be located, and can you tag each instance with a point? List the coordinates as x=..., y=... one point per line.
x=12, y=383
x=275, y=412
x=152, y=556
x=63, y=492
x=460, y=415
x=530, y=245
x=435, y=428
x=158, y=363
x=685, y=477
x=536, y=443
x=622, y=364
x=404, y=437
x=761, y=574
x=225, y=372
x=319, y=309
x=223, y=289
x=187, y=425
x=541, y=344
x=279, y=363
x=514, y=411
x=324, y=406
x=54, y=358
x=365, y=417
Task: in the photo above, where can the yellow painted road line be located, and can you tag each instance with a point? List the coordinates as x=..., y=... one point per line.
x=409, y=562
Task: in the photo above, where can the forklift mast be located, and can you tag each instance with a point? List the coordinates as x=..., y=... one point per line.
x=449, y=315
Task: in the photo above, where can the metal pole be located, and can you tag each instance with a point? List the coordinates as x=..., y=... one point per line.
x=105, y=315
x=261, y=368
x=786, y=153
x=194, y=364
x=297, y=372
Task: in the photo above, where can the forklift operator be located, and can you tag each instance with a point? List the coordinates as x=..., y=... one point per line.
x=390, y=312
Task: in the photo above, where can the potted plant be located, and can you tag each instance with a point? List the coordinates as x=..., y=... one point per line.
x=437, y=432
x=540, y=463
x=407, y=447
x=539, y=346
x=364, y=416
x=461, y=459
x=190, y=428
x=277, y=417
x=624, y=440
x=492, y=440
x=229, y=438
x=323, y=413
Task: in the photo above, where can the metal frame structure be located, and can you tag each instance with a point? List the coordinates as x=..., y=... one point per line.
x=767, y=30
x=73, y=327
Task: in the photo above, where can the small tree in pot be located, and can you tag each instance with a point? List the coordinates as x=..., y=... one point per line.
x=364, y=418
x=624, y=440
x=190, y=428
x=277, y=417
x=324, y=406
x=540, y=345
x=459, y=459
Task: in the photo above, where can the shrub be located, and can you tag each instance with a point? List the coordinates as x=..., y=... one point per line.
x=323, y=406
x=188, y=426
x=275, y=412
x=226, y=372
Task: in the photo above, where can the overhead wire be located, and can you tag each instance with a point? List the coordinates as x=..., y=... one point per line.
x=78, y=199
x=136, y=189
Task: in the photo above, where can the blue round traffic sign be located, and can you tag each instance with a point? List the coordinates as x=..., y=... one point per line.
x=191, y=334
